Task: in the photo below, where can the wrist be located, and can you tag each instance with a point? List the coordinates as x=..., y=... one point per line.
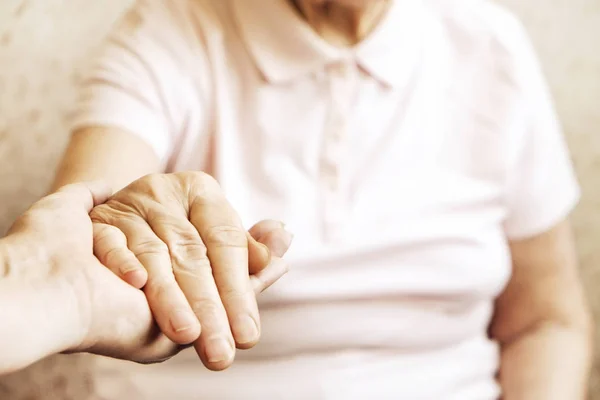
x=21, y=259
x=9, y=261
x=39, y=310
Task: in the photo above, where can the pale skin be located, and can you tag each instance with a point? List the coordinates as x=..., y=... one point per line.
x=542, y=322
x=198, y=267
x=56, y=296
x=50, y=284
x=177, y=237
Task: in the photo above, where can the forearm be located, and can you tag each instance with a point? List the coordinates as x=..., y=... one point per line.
x=107, y=154
x=548, y=362
x=38, y=315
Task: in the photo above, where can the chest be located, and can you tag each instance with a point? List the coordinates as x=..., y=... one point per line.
x=349, y=152
x=408, y=181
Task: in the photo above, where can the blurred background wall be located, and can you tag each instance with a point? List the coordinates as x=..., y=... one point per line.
x=44, y=44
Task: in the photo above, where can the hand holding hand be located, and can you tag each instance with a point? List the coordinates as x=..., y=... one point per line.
x=178, y=237
x=56, y=296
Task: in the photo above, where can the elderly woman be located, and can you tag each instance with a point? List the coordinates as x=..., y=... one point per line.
x=411, y=147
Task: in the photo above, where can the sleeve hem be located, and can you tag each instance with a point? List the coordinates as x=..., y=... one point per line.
x=544, y=218
x=149, y=131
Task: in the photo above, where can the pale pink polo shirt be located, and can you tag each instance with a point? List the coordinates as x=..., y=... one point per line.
x=402, y=166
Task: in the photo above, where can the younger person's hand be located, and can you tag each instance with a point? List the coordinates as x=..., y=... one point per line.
x=178, y=237
x=55, y=295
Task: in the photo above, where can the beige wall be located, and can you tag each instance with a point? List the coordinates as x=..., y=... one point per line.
x=43, y=43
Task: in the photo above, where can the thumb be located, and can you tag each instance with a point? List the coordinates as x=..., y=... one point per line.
x=265, y=239
x=88, y=194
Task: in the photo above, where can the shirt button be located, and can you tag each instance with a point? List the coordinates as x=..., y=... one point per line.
x=338, y=123
x=338, y=133
x=343, y=69
x=332, y=182
x=333, y=153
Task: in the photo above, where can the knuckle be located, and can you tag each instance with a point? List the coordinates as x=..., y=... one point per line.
x=197, y=267
x=113, y=258
x=150, y=247
x=159, y=285
x=110, y=213
x=158, y=217
x=226, y=236
x=152, y=179
x=208, y=181
x=143, y=191
x=197, y=177
x=189, y=241
x=98, y=213
x=108, y=233
x=190, y=250
x=231, y=295
x=206, y=307
x=185, y=246
x=202, y=186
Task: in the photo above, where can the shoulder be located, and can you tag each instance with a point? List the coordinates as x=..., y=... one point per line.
x=174, y=39
x=175, y=23
x=484, y=29
x=494, y=84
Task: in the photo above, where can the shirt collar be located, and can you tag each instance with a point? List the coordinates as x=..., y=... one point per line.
x=285, y=47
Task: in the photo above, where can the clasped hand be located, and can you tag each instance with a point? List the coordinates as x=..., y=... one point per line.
x=177, y=238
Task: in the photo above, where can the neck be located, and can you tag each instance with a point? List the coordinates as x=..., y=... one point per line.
x=343, y=23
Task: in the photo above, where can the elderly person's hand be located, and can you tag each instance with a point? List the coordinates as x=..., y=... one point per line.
x=181, y=241
x=55, y=296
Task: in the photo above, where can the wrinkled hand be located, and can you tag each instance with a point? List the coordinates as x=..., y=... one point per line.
x=178, y=237
x=51, y=251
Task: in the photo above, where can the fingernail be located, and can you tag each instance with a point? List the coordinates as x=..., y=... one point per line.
x=282, y=245
x=218, y=350
x=135, y=277
x=245, y=330
x=129, y=268
x=182, y=321
x=289, y=238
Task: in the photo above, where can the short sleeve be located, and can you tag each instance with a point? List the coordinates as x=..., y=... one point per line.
x=137, y=83
x=542, y=187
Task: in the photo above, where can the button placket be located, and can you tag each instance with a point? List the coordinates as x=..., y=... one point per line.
x=333, y=156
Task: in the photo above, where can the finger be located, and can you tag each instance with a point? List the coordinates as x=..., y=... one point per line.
x=100, y=191
x=265, y=226
x=110, y=247
x=169, y=306
x=123, y=324
x=259, y=255
x=194, y=274
x=278, y=240
x=274, y=237
x=268, y=276
x=89, y=194
x=227, y=248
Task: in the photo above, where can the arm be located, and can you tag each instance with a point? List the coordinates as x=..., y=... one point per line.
x=39, y=316
x=105, y=153
x=132, y=104
x=193, y=257
x=55, y=296
x=542, y=321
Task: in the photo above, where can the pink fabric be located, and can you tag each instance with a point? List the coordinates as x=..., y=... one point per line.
x=402, y=165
